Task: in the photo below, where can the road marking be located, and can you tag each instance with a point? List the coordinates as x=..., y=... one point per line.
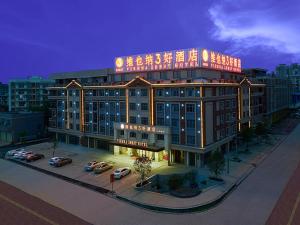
x=294, y=210
x=28, y=210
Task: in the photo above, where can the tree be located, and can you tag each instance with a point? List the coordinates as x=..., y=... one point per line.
x=54, y=145
x=216, y=163
x=142, y=166
x=247, y=135
x=22, y=135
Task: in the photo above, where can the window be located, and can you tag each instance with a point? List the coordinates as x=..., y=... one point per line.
x=190, y=123
x=101, y=92
x=132, y=106
x=163, y=75
x=122, y=92
x=111, y=93
x=144, y=92
x=144, y=136
x=77, y=105
x=175, y=138
x=132, y=92
x=77, y=116
x=160, y=121
x=176, y=75
x=94, y=93
x=190, y=140
x=175, y=92
x=190, y=92
x=159, y=92
x=160, y=137
x=160, y=107
x=174, y=108
x=144, y=120
x=174, y=122
x=132, y=134
x=132, y=119
x=144, y=106
x=190, y=108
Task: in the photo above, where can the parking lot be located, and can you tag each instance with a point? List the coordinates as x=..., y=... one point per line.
x=81, y=156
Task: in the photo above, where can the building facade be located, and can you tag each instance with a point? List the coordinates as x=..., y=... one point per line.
x=277, y=91
x=3, y=97
x=26, y=94
x=292, y=72
x=175, y=114
x=14, y=126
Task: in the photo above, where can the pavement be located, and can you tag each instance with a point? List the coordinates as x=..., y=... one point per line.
x=287, y=208
x=18, y=207
x=250, y=203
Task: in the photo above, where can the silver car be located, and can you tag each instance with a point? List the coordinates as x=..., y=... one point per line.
x=121, y=172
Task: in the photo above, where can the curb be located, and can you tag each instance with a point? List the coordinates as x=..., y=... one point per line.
x=197, y=208
x=71, y=180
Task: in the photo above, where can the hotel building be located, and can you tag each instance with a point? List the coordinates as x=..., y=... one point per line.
x=176, y=106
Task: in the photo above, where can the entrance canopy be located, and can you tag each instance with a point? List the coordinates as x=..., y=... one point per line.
x=148, y=148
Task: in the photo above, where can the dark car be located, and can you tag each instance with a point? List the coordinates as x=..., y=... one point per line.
x=34, y=157
x=59, y=161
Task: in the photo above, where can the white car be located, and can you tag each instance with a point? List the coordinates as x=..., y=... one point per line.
x=15, y=151
x=22, y=155
x=121, y=172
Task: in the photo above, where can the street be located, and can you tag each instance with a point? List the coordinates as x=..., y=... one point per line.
x=251, y=203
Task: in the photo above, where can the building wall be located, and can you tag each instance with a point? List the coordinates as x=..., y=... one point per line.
x=12, y=125
x=25, y=94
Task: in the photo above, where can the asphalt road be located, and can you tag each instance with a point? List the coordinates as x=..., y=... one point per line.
x=18, y=207
x=251, y=203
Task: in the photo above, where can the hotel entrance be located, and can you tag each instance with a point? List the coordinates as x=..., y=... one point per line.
x=156, y=156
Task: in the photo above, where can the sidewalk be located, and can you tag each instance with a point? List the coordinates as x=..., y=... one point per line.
x=237, y=172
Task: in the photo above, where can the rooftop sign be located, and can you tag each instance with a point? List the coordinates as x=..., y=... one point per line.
x=178, y=59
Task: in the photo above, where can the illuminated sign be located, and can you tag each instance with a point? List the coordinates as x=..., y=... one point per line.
x=219, y=61
x=133, y=143
x=149, y=129
x=178, y=59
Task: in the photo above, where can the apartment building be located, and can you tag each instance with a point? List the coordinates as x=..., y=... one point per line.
x=26, y=94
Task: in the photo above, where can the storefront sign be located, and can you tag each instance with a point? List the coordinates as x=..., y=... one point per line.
x=143, y=128
x=178, y=59
x=133, y=143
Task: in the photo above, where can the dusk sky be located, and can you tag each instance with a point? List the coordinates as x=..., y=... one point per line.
x=39, y=37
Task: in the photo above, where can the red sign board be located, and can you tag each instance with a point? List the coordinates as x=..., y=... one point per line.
x=112, y=178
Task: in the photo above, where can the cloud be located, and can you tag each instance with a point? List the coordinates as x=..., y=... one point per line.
x=246, y=27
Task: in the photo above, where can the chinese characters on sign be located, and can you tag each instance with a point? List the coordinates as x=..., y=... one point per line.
x=178, y=59
x=218, y=61
x=188, y=58
x=149, y=129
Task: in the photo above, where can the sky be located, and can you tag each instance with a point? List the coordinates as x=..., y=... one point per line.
x=40, y=37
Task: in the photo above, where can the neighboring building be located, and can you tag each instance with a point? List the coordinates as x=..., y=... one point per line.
x=17, y=127
x=25, y=94
x=277, y=92
x=179, y=110
x=3, y=97
x=292, y=72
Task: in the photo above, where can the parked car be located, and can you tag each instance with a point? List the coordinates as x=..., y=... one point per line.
x=236, y=159
x=91, y=165
x=121, y=172
x=22, y=155
x=34, y=157
x=102, y=168
x=59, y=161
x=12, y=152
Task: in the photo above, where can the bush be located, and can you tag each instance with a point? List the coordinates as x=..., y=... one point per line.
x=191, y=178
x=175, y=182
